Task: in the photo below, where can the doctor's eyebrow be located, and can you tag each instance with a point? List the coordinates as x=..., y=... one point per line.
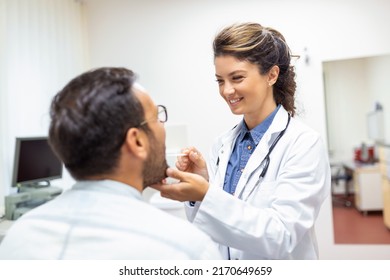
x=237, y=72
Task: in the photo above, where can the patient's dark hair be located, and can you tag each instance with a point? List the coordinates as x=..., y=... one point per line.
x=89, y=120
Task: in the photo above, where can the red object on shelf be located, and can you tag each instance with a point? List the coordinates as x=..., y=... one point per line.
x=358, y=154
x=371, y=154
x=367, y=157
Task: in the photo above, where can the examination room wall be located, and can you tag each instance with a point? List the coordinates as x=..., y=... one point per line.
x=42, y=46
x=168, y=43
x=2, y=87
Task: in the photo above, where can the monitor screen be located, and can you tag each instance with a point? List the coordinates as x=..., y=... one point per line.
x=34, y=162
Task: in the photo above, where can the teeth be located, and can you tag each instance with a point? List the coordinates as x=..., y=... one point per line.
x=234, y=100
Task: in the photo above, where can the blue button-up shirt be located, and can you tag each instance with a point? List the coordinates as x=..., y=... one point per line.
x=246, y=142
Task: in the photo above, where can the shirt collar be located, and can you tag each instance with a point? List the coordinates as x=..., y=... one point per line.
x=258, y=131
x=108, y=186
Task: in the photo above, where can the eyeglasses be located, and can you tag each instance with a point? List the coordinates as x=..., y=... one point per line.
x=162, y=115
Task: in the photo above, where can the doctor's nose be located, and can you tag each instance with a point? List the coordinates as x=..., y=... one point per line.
x=228, y=89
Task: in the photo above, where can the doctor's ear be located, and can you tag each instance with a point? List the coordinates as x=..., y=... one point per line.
x=137, y=142
x=273, y=75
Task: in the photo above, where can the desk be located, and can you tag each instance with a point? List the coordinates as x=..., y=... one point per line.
x=367, y=186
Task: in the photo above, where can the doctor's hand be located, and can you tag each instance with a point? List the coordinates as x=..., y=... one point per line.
x=191, y=187
x=193, y=162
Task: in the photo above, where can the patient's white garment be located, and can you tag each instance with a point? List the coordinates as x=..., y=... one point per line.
x=104, y=220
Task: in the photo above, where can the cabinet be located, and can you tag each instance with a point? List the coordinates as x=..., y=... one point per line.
x=367, y=184
x=384, y=163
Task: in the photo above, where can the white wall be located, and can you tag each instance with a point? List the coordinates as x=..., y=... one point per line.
x=347, y=102
x=379, y=88
x=169, y=44
x=2, y=90
x=42, y=46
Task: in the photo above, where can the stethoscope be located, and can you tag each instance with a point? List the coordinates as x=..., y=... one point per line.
x=265, y=163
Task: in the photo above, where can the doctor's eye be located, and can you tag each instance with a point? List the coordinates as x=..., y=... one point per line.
x=219, y=81
x=238, y=78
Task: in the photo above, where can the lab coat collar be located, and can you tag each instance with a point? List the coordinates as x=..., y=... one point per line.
x=258, y=131
x=277, y=125
x=279, y=122
x=254, y=163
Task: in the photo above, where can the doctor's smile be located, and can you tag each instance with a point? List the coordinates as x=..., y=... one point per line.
x=235, y=101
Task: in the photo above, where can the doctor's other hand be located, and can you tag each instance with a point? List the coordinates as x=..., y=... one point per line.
x=191, y=187
x=193, y=162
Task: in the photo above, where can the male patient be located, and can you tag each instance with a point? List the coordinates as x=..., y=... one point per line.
x=111, y=137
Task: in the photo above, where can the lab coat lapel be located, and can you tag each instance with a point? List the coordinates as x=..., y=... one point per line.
x=224, y=154
x=261, y=150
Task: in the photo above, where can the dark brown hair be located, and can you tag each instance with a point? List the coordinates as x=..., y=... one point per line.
x=264, y=47
x=89, y=119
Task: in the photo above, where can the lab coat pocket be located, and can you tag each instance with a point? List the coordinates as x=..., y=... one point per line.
x=262, y=195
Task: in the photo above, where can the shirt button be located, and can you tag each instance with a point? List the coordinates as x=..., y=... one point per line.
x=249, y=147
x=242, y=170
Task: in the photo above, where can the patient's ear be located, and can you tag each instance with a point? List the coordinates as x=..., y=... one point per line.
x=136, y=142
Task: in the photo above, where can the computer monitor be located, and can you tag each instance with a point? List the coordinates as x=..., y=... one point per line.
x=34, y=162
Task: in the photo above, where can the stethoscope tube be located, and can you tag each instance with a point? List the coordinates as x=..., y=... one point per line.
x=265, y=162
x=267, y=158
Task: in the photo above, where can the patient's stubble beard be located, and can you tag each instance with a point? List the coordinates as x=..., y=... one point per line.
x=155, y=164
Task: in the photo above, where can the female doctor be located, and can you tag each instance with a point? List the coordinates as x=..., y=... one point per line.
x=260, y=193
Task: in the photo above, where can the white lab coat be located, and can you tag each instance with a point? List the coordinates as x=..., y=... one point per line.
x=277, y=220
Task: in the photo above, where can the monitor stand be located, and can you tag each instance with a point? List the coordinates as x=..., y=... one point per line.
x=33, y=186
